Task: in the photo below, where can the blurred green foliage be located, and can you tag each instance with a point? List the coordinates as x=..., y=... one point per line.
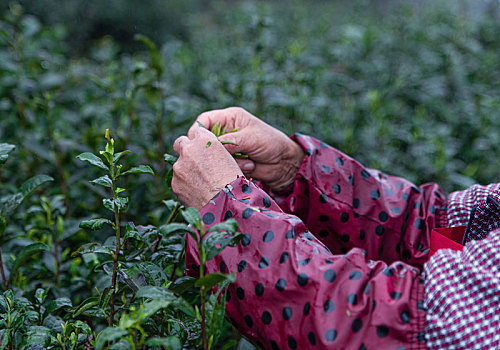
x=410, y=89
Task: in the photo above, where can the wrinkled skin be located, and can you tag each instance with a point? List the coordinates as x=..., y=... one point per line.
x=273, y=157
x=204, y=167
x=201, y=171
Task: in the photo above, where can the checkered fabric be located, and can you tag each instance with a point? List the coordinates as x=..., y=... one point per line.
x=463, y=296
x=461, y=203
x=484, y=218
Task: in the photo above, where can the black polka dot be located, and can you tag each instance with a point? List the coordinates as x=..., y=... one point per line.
x=432, y=209
x=345, y=238
x=339, y=161
x=362, y=347
x=302, y=279
x=309, y=236
x=309, y=151
x=367, y=289
x=326, y=169
x=417, y=205
x=263, y=263
x=287, y=313
x=330, y=335
x=388, y=271
x=246, y=189
x=312, y=338
x=365, y=174
x=374, y=304
x=328, y=261
x=248, y=321
x=266, y=201
x=383, y=216
x=247, y=213
x=355, y=275
x=245, y=241
x=375, y=194
x=395, y=295
x=396, y=210
x=292, y=343
x=421, y=337
x=323, y=218
x=419, y=223
x=351, y=180
x=274, y=345
x=344, y=217
x=356, y=325
x=208, y=218
x=405, y=316
x=290, y=234
x=420, y=305
x=329, y=275
x=259, y=289
x=240, y=293
x=228, y=215
x=246, y=201
x=283, y=257
x=281, y=285
x=362, y=234
x=382, y=331
x=266, y=317
x=401, y=348
x=406, y=254
x=380, y=250
x=379, y=230
x=307, y=308
x=304, y=262
x=268, y=236
x=405, y=196
x=323, y=198
x=222, y=267
x=355, y=203
x=242, y=265
x=336, y=188
x=323, y=233
x=228, y=295
x=343, y=250
x=352, y=299
x=329, y=306
x=389, y=192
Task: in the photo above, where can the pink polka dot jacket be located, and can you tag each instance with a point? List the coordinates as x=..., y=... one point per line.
x=339, y=261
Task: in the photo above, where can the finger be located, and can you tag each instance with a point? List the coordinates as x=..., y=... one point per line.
x=246, y=165
x=180, y=143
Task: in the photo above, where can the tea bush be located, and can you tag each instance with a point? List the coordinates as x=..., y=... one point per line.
x=93, y=247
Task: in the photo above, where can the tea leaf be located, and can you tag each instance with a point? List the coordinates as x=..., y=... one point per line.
x=93, y=160
x=24, y=255
x=141, y=169
x=95, y=224
x=103, y=181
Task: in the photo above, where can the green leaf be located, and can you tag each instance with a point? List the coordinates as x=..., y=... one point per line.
x=87, y=304
x=215, y=316
x=41, y=294
x=141, y=169
x=151, y=307
x=26, y=189
x=120, y=202
x=183, y=284
x=103, y=181
x=5, y=149
x=91, y=248
x=192, y=216
x=156, y=60
x=119, y=155
x=107, y=335
x=38, y=335
x=209, y=281
x=24, y=255
x=92, y=159
x=169, y=343
x=56, y=304
x=3, y=225
x=217, y=241
x=230, y=225
x=154, y=292
x=95, y=224
x=167, y=230
x=170, y=159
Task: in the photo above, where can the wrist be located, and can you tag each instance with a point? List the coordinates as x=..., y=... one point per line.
x=290, y=164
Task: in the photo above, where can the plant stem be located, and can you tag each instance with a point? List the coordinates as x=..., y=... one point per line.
x=5, y=283
x=202, y=294
x=117, y=252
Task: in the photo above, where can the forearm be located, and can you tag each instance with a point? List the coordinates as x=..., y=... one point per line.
x=347, y=205
x=291, y=292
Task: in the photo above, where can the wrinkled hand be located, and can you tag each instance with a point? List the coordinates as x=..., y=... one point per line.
x=204, y=167
x=273, y=158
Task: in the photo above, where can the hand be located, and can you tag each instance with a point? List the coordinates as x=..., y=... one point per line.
x=204, y=167
x=273, y=158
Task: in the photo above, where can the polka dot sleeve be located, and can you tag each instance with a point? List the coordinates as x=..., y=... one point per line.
x=291, y=292
x=347, y=205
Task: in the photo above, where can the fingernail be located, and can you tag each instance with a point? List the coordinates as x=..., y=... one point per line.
x=249, y=166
